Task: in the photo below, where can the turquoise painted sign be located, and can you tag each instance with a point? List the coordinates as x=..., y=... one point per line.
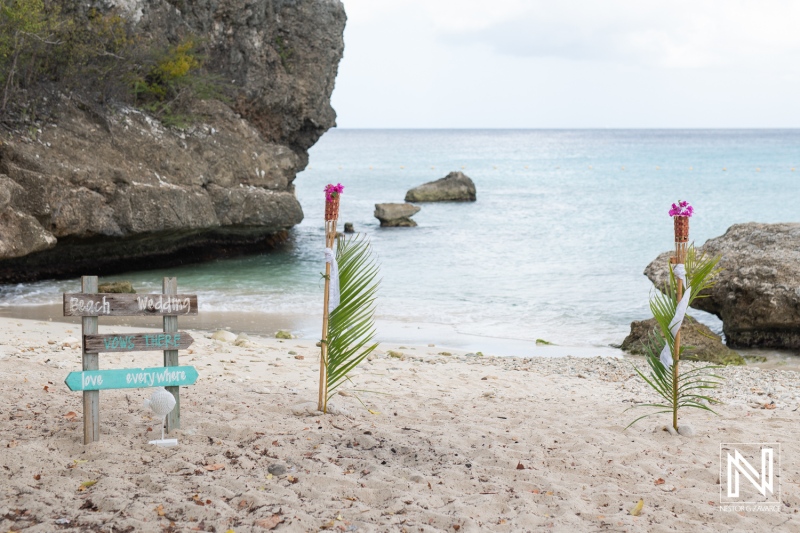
x=131, y=378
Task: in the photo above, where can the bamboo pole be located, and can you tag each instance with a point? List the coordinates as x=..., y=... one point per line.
x=330, y=238
x=331, y=215
x=681, y=244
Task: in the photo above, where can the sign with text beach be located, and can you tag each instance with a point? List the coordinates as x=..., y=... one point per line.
x=82, y=304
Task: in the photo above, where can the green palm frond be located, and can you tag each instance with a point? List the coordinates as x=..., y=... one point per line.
x=663, y=305
x=351, y=327
x=678, y=389
x=690, y=384
x=701, y=272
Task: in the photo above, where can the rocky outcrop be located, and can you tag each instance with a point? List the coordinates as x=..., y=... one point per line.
x=455, y=187
x=757, y=295
x=20, y=233
x=115, y=190
x=396, y=215
x=700, y=342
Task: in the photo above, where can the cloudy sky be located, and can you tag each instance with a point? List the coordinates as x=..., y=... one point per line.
x=570, y=64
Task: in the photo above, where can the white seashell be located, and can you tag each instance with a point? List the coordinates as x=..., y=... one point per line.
x=161, y=402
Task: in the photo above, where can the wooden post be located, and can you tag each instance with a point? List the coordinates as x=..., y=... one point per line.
x=330, y=239
x=91, y=361
x=170, y=286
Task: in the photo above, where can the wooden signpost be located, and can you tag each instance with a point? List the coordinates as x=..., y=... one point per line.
x=89, y=304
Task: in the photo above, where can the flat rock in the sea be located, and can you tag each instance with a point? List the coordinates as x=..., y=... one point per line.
x=396, y=215
x=455, y=187
x=757, y=294
x=701, y=343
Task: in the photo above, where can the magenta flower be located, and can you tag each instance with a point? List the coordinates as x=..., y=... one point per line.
x=681, y=209
x=332, y=191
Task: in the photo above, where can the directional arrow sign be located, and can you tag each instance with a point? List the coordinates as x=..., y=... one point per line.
x=108, y=304
x=131, y=378
x=137, y=342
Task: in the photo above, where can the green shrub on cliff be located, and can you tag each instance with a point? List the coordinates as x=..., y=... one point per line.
x=27, y=30
x=53, y=46
x=175, y=78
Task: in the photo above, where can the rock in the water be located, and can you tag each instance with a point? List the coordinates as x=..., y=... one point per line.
x=283, y=334
x=455, y=187
x=223, y=336
x=348, y=227
x=125, y=287
x=396, y=215
x=701, y=343
x=757, y=295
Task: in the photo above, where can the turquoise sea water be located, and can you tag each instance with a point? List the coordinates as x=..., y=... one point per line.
x=554, y=248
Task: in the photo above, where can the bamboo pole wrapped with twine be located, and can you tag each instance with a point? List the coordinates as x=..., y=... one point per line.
x=680, y=216
x=332, y=199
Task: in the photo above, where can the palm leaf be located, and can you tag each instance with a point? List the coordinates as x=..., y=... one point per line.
x=685, y=390
x=351, y=326
x=701, y=272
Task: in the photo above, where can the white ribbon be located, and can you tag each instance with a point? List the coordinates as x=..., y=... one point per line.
x=680, y=312
x=333, y=299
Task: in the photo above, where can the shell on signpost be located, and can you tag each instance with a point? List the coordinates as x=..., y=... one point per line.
x=162, y=402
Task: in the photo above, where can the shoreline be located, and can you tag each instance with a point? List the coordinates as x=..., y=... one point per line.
x=304, y=326
x=394, y=333
x=485, y=443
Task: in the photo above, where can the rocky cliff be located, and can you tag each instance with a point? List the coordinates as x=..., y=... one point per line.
x=95, y=192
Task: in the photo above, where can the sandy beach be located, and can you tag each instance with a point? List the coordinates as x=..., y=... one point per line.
x=440, y=443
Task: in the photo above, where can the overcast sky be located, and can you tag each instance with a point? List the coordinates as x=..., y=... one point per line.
x=569, y=64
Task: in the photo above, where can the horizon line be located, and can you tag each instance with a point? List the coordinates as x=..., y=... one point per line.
x=472, y=128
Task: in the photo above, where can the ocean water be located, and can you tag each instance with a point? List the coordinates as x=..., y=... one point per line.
x=554, y=248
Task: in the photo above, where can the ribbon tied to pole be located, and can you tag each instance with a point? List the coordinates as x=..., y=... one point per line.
x=333, y=299
x=680, y=312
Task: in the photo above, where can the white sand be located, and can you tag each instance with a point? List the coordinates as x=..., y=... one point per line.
x=457, y=444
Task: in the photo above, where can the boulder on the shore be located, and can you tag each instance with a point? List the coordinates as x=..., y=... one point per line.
x=701, y=343
x=117, y=287
x=396, y=215
x=455, y=187
x=757, y=294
